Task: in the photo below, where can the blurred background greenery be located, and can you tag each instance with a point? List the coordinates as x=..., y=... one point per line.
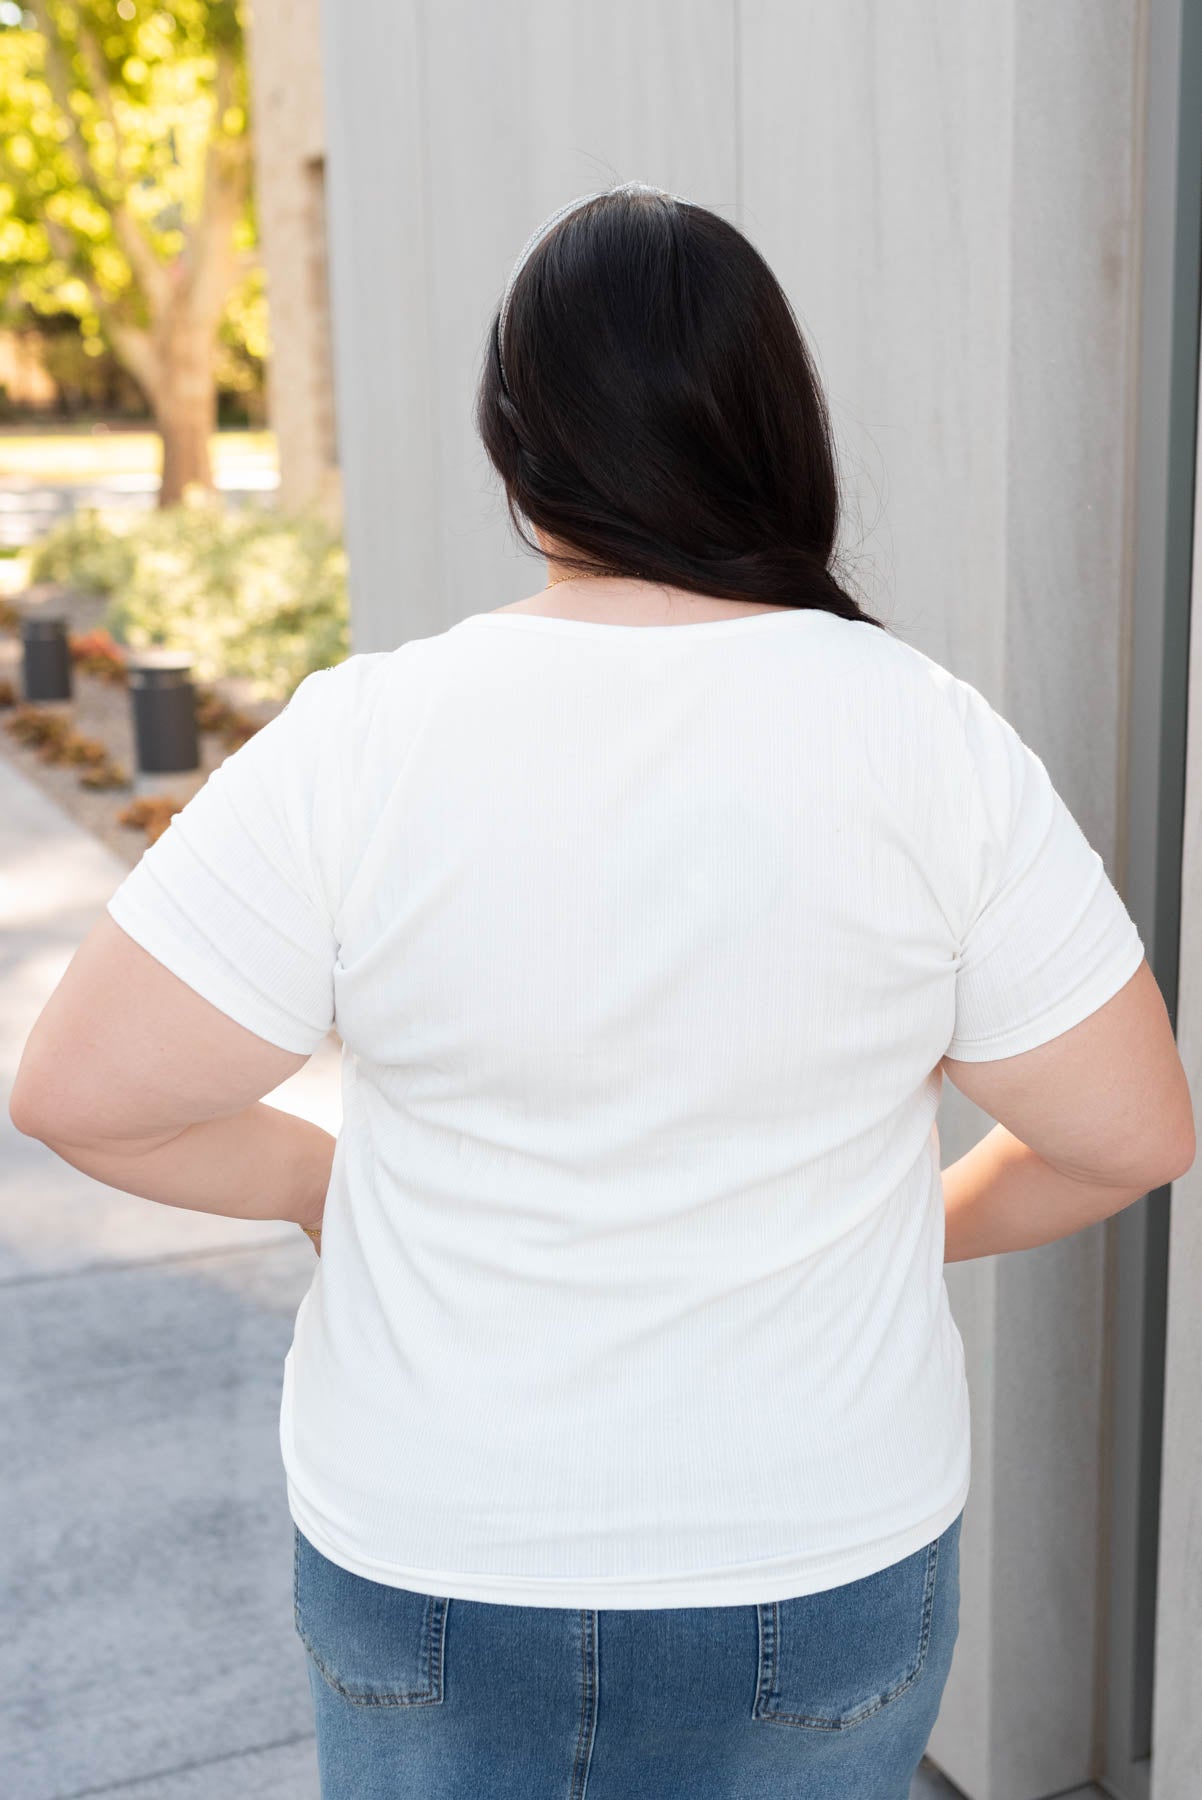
x=246, y=592
x=134, y=341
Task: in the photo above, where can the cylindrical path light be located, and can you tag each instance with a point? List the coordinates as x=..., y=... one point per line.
x=45, y=659
x=164, y=709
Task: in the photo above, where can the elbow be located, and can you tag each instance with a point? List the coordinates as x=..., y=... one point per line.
x=22, y=1116
x=39, y=1098
x=49, y=1095
x=1175, y=1141
x=1143, y=1169
x=1185, y=1138
x=1185, y=1158
x=28, y=1112
x=1177, y=1153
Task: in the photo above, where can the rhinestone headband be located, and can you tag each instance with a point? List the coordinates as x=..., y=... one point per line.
x=536, y=237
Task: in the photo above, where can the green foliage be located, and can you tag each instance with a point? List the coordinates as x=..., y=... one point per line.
x=84, y=553
x=242, y=340
x=112, y=113
x=248, y=592
x=142, y=81
x=96, y=384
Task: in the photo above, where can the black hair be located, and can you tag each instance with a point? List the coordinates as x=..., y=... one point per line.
x=657, y=412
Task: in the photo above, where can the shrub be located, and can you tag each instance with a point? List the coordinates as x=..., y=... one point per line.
x=96, y=654
x=249, y=593
x=85, y=553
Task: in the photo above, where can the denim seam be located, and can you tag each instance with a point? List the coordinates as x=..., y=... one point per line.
x=588, y=1706
x=296, y=1577
x=769, y=1651
x=763, y=1674
x=431, y=1652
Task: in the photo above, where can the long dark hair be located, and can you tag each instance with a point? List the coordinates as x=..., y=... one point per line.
x=657, y=412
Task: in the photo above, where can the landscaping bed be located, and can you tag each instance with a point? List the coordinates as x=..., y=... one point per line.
x=255, y=602
x=90, y=737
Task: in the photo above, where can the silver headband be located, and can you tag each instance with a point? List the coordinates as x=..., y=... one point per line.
x=536, y=238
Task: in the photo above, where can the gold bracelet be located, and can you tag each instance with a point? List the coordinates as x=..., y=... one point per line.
x=313, y=1233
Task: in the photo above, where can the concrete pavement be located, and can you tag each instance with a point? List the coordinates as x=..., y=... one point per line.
x=146, y=1552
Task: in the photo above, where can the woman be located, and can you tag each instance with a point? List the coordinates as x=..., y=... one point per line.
x=624, y=1422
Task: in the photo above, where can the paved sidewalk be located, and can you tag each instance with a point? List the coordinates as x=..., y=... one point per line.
x=146, y=1552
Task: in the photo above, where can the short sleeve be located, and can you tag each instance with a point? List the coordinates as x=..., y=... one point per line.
x=1046, y=939
x=229, y=897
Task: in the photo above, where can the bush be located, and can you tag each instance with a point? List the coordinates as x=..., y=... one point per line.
x=249, y=593
x=84, y=553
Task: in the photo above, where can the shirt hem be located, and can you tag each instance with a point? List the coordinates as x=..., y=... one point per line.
x=740, y=1584
x=1074, y=1009
x=204, y=975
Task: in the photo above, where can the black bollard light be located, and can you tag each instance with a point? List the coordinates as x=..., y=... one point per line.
x=164, y=708
x=45, y=659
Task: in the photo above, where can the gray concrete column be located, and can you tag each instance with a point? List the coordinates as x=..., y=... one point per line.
x=1173, y=282
x=1177, y=1724
x=289, y=125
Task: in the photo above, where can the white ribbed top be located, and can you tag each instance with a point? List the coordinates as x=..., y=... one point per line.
x=644, y=944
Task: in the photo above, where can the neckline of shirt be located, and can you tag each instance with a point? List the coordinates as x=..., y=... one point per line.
x=552, y=622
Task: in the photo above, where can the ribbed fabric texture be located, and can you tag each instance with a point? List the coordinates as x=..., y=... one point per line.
x=644, y=945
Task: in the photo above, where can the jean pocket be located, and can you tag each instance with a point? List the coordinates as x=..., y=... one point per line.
x=374, y=1645
x=830, y=1660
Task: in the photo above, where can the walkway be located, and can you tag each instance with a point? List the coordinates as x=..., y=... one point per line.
x=146, y=1550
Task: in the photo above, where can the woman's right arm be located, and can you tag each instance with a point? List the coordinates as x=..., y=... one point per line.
x=1086, y=1123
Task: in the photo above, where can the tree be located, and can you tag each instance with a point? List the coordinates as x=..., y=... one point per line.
x=124, y=191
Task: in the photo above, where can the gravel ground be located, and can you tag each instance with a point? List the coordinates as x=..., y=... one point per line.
x=99, y=709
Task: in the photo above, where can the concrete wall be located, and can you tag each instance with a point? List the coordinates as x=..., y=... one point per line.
x=495, y=115
x=1177, y=1717
x=289, y=119
x=946, y=192
x=1177, y=1725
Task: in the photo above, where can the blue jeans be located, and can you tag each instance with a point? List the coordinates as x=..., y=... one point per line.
x=828, y=1697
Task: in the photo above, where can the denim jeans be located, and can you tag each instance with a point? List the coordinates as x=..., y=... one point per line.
x=828, y=1697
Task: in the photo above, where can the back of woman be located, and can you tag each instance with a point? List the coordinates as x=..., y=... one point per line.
x=625, y=1422
x=631, y=1284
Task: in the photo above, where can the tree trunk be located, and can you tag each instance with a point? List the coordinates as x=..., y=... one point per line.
x=186, y=460
x=185, y=406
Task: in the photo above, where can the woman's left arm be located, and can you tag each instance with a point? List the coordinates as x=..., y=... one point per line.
x=134, y=1078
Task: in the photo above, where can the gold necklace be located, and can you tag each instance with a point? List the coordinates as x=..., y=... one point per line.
x=614, y=577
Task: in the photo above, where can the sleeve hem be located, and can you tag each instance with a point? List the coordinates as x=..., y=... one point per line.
x=1085, y=1000
x=210, y=981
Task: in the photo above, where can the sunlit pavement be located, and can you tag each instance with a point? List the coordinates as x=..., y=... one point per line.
x=149, y=1650
x=149, y=1647
x=45, y=476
